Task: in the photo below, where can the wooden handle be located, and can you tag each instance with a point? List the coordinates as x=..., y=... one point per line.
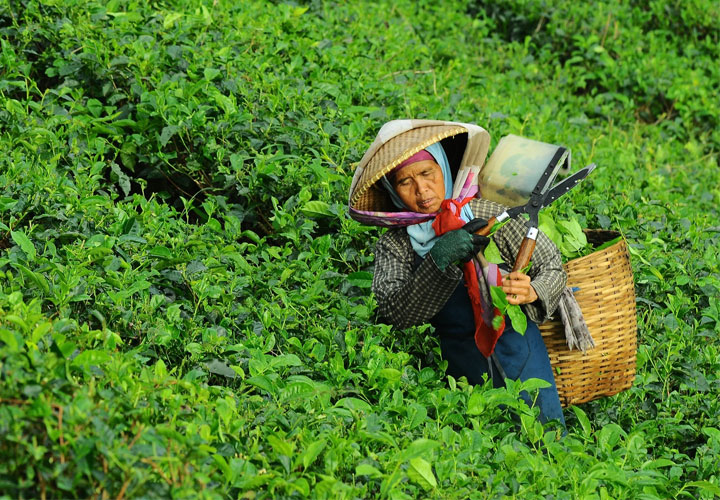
x=523, y=257
x=486, y=230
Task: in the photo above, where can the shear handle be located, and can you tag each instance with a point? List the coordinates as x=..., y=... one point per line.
x=485, y=230
x=527, y=247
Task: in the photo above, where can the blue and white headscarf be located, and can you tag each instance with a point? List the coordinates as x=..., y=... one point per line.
x=422, y=235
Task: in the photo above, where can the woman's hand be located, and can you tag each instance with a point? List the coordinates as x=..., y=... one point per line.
x=460, y=244
x=518, y=289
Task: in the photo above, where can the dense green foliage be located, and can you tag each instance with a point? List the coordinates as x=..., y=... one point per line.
x=185, y=305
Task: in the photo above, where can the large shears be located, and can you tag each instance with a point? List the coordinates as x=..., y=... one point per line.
x=541, y=196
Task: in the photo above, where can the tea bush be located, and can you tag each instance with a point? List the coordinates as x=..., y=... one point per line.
x=185, y=306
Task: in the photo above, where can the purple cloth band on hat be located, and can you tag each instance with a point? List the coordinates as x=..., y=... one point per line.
x=419, y=156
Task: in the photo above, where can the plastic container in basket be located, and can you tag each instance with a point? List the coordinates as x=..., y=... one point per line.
x=606, y=297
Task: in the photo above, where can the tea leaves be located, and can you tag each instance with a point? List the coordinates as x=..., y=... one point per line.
x=185, y=306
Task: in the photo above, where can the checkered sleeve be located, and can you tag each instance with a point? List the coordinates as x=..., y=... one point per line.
x=408, y=297
x=547, y=275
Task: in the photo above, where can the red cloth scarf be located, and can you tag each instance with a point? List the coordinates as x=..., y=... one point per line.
x=485, y=335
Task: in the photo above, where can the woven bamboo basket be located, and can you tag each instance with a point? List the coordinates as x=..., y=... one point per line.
x=606, y=297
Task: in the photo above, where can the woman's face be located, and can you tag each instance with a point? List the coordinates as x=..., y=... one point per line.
x=421, y=186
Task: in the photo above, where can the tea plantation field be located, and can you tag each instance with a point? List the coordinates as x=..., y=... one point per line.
x=185, y=307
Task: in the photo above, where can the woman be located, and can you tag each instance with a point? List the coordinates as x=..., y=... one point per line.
x=418, y=278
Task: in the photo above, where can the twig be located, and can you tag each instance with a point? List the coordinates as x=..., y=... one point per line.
x=137, y=436
x=414, y=72
x=124, y=487
x=60, y=428
x=14, y=401
x=605, y=30
x=43, y=489
x=157, y=469
x=169, y=179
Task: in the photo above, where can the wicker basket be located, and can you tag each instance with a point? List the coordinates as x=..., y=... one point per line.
x=606, y=297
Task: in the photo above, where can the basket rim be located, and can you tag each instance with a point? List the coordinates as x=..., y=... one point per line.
x=611, y=234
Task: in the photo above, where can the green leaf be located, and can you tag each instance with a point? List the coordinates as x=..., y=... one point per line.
x=476, y=403
x=122, y=178
x=251, y=235
x=367, y=470
x=417, y=448
x=354, y=404
x=220, y=368
x=705, y=486
x=95, y=107
x=286, y=360
x=583, y=419
x=361, y=279
x=572, y=228
x=712, y=433
x=64, y=347
x=547, y=226
x=390, y=373
x=533, y=384
x=316, y=208
x=37, y=278
x=517, y=318
x=262, y=382
x=223, y=465
x=492, y=253
x=497, y=321
x=40, y=330
x=607, y=244
x=170, y=19
x=312, y=452
x=302, y=486
x=420, y=471
x=167, y=133
x=211, y=73
x=7, y=203
x=161, y=251
x=499, y=298
x=608, y=436
x=24, y=243
x=11, y=340
x=567, y=235
x=496, y=227
x=194, y=348
x=17, y=321
x=656, y=464
x=281, y=446
x=654, y=270
x=416, y=415
x=91, y=357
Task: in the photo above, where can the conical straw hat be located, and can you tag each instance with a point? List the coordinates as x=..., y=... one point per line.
x=391, y=148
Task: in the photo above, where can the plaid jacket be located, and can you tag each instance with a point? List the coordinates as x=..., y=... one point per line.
x=406, y=297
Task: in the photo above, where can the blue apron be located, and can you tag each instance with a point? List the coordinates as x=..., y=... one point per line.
x=521, y=357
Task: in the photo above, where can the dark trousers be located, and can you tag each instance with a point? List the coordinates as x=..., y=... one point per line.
x=521, y=357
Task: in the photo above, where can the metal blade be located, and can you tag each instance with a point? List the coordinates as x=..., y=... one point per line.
x=566, y=185
x=563, y=154
x=551, y=171
x=515, y=211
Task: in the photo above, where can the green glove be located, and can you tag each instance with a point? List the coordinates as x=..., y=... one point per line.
x=460, y=244
x=451, y=247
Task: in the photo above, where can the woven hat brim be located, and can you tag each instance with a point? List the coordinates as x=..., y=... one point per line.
x=391, y=154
